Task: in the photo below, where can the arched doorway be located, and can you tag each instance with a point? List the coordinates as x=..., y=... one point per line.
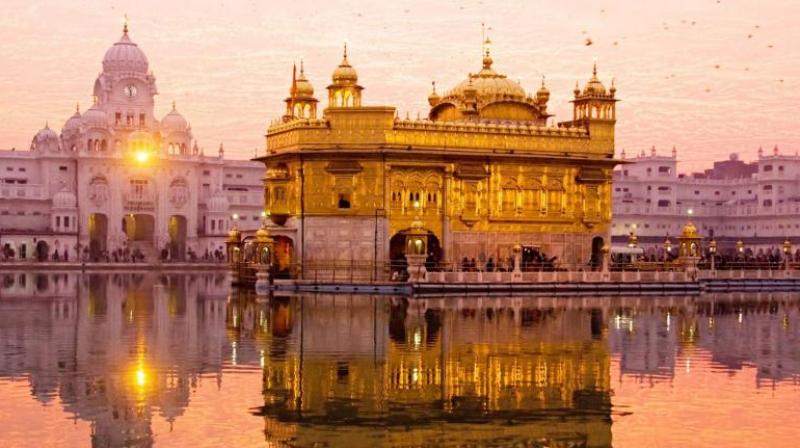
x=284, y=255
x=177, y=237
x=397, y=251
x=98, y=235
x=597, y=255
x=42, y=250
x=139, y=227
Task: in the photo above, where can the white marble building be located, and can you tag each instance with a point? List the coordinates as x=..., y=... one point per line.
x=756, y=202
x=118, y=177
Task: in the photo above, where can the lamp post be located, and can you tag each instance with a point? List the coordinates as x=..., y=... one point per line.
x=633, y=242
x=740, y=248
x=787, y=252
x=712, y=251
x=667, y=249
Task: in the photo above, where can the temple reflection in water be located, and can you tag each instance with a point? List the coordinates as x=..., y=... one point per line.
x=124, y=351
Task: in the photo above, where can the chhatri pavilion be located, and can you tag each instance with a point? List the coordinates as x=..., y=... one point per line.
x=482, y=173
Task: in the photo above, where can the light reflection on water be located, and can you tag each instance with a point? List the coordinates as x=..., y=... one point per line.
x=181, y=360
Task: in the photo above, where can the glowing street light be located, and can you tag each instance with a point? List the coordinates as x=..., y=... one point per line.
x=712, y=250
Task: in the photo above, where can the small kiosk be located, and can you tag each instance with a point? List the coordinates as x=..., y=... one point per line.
x=416, y=251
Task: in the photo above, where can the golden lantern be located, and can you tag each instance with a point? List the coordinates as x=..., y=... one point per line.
x=633, y=240
x=787, y=247
x=668, y=246
x=740, y=247
x=712, y=247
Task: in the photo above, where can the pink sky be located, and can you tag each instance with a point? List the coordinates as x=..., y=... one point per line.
x=227, y=64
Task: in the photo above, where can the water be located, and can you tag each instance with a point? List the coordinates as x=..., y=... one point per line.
x=181, y=360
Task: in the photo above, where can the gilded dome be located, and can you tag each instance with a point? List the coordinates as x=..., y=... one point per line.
x=46, y=138
x=234, y=235
x=594, y=86
x=125, y=56
x=303, y=88
x=489, y=96
x=487, y=83
x=345, y=72
x=262, y=235
x=689, y=231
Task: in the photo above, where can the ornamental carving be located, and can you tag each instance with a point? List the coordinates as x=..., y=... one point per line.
x=178, y=193
x=99, y=191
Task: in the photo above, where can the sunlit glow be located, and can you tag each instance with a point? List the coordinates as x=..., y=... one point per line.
x=141, y=377
x=142, y=156
x=417, y=337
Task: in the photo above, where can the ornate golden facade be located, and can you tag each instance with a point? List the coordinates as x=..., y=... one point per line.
x=483, y=172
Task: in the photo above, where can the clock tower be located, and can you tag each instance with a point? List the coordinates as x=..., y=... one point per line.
x=125, y=89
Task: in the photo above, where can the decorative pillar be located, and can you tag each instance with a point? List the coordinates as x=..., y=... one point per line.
x=689, y=249
x=712, y=252
x=416, y=251
x=516, y=275
x=233, y=246
x=787, y=253
x=265, y=248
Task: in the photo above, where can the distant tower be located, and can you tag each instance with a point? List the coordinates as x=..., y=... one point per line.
x=344, y=91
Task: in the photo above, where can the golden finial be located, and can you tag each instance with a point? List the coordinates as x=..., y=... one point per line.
x=433, y=83
x=173, y=105
x=301, y=66
x=77, y=108
x=46, y=125
x=345, y=50
x=542, y=80
x=125, y=25
x=594, y=69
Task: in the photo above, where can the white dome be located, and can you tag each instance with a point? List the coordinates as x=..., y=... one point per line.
x=95, y=118
x=73, y=124
x=174, y=122
x=218, y=203
x=125, y=56
x=45, y=134
x=64, y=199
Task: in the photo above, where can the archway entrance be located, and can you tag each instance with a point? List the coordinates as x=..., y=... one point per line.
x=139, y=227
x=397, y=251
x=98, y=234
x=177, y=237
x=284, y=256
x=42, y=250
x=597, y=256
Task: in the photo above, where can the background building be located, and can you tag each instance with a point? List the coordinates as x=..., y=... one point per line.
x=482, y=173
x=756, y=202
x=117, y=177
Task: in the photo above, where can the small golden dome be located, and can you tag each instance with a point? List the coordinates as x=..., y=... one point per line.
x=434, y=97
x=689, y=231
x=345, y=72
x=303, y=88
x=262, y=235
x=234, y=235
x=594, y=86
x=543, y=94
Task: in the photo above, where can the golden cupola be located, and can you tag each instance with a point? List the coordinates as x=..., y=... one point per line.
x=344, y=91
x=489, y=96
x=594, y=102
x=301, y=102
x=434, y=97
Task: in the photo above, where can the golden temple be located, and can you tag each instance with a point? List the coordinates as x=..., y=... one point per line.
x=482, y=172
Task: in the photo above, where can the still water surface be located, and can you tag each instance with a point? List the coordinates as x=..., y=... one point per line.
x=139, y=360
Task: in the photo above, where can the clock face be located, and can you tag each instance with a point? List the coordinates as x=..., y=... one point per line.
x=130, y=90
